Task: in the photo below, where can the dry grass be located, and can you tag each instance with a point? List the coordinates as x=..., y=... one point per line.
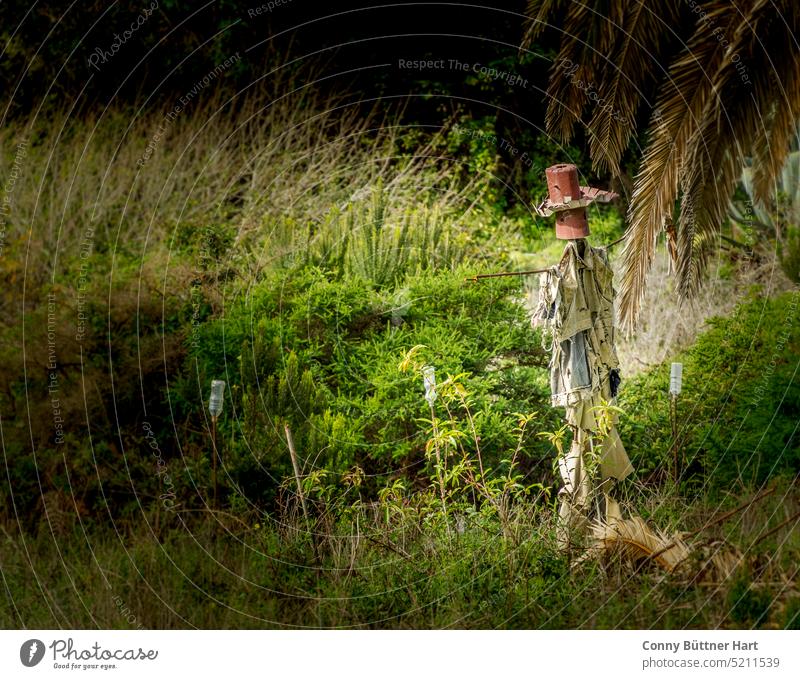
x=268, y=164
x=666, y=326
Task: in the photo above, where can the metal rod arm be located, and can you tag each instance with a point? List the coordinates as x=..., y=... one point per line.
x=479, y=276
x=504, y=273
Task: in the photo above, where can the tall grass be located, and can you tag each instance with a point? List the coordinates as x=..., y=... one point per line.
x=394, y=564
x=372, y=239
x=265, y=167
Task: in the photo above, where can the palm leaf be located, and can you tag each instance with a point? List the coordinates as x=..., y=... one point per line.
x=632, y=540
x=630, y=68
x=717, y=151
x=705, y=122
x=775, y=139
x=574, y=69
x=679, y=109
x=537, y=12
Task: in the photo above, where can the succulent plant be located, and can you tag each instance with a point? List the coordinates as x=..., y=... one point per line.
x=779, y=220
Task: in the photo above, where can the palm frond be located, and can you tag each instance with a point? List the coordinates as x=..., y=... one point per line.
x=678, y=112
x=632, y=540
x=630, y=67
x=780, y=125
x=717, y=151
x=537, y=12
x=573, y=73
x=732, y=92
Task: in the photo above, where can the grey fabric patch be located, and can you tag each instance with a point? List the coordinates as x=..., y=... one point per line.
x=579, y=362
x=573, y=372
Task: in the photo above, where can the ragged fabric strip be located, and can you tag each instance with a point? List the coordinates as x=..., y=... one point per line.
x=575, y=308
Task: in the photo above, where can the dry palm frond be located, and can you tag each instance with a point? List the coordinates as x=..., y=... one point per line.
x=632, y=62
x=574, y=72
x=779, y=127
x=731, y=92
x=538, y=11
x=717, y=150
x=706, y=189
x=632, y=540
x=735, y=104
x=678, y=111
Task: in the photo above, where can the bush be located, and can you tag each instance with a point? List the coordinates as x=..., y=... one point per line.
x=320, y=352
x=748, y=606
x=740, y=402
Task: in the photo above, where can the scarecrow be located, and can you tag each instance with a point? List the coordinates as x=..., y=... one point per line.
x=576, y=310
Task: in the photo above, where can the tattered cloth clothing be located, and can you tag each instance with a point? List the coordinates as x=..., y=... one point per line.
x=576, y=308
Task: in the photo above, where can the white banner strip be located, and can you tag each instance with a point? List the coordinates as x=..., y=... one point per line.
x=398, y=654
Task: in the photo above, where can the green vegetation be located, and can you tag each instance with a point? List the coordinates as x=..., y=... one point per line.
x=387, y=566
x=739, y=408
x=317, y=264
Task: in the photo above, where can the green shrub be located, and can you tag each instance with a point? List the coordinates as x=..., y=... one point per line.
x=740, y=403
x=748, y=606
x=791, y=614
x=320, y=353
x=789, y=253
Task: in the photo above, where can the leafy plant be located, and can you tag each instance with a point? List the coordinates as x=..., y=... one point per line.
x=371, y=239
x=775, y=220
